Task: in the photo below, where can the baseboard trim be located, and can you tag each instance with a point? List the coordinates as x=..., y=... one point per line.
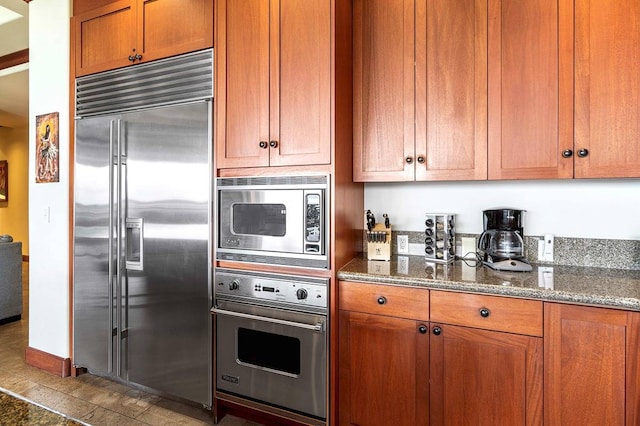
x=48, y=362
x=25, y=257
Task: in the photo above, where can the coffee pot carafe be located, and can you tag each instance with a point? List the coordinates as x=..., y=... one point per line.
x=502, y=241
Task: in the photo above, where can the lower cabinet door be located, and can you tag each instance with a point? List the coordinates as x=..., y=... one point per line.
x=592, y=367
x=384, y=371
x=484, y=377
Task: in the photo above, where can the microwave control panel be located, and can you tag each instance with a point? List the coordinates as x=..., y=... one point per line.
x=313, y=232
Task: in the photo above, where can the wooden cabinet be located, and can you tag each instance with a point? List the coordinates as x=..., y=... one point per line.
x=530, y=89
x=451, y=90
x=477, y=373
x=491, y=360
x=419, y=90
x=500, y=89
x=273, y=83
x=384, y=358
x=607, y=83
x=592, y=368
x=128, y=32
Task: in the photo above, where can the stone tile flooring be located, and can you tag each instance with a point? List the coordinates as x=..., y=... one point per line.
x=90, y=399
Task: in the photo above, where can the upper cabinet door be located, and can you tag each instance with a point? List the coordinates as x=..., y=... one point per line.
x=242, y=83
x=530, y=89
x=451, y=89
x=105, y=37
x=383, y=90
x=300, y=82
x=170, y=27
x=607, y=104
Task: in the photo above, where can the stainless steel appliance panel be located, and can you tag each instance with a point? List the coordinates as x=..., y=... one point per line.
x=281, y=220
x=165, y=184
x=272, y=355
x=142, y=254
x=94, y=307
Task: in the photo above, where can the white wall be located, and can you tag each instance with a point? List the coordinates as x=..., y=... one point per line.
x=573, y=208
x=48, y=202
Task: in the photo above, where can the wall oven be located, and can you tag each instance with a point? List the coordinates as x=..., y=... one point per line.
x=271, y=339
x=280, y=220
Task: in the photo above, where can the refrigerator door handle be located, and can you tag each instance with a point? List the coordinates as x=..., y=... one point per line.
x=134, y=252
x=111, y=273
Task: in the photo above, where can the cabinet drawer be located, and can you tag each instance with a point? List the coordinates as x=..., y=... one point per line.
x=488, y=312
x=404, y=302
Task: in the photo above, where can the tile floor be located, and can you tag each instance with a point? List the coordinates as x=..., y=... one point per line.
x=87, y=398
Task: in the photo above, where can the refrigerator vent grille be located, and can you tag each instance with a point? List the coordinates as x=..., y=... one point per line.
x=273, y=180
x=179, y=79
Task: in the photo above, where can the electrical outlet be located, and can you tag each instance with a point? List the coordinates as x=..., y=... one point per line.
x=403, y=244
x=403, y=265
x=545, y=248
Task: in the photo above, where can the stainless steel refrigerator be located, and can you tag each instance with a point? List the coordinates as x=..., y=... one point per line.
x=142, y=225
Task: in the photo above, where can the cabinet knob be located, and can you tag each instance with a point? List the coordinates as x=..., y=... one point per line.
x=583, y=153
x=382, y=300
x=484, y=312
x=137, y=57
x=437, y=331
x=567, y=153
x=263, y=144
x=421, y=159
x=422, y=329
x=273, y=144
x=409, y=160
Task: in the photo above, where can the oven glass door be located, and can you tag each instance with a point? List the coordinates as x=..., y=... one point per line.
x=273, y=356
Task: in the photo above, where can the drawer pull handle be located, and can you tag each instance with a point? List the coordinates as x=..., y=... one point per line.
x=484, y=312
x=437, y=331
x=382, y=300
x=422, y=329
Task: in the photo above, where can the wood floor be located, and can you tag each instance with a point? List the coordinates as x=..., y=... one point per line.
x=88, y=398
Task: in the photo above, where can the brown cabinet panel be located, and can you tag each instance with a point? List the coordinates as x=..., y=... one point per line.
x=301, y=82
x=129, y=32
x=528, y=122
x=607, y=105
x=273, y=83
x=383, y=90
x=484, y=377
x=506, y=314
x=242, y=83
x=170, y=27
x=384, y=371
x=591, y=365
x=405, y=302
x=451, y=89
x=105, y=37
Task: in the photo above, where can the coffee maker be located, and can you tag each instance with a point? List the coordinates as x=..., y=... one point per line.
x=502, y=241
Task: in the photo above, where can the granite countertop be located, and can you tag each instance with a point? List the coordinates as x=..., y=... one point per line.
x=605, y=287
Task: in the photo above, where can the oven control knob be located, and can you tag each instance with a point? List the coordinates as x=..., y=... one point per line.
x=233, y=285
x=302, y=294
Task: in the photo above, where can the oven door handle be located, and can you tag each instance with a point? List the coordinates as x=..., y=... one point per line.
x=318, y=327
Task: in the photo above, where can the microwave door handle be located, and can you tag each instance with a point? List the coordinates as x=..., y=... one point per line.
x=318, y=327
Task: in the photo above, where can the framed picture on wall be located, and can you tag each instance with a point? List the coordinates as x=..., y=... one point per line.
x=47, y=147
x=4, y=181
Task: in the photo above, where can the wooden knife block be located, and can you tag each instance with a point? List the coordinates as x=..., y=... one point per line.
x=379, y=250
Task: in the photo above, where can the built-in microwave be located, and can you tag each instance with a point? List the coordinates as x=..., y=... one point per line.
x=279, y=220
